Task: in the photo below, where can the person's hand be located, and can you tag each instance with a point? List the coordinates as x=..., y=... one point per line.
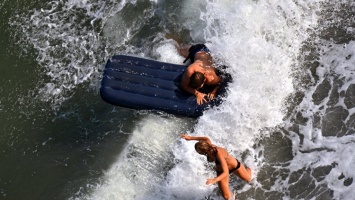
x=211, y=95
x=186, y=137
x=200, y=98
x=210, y=182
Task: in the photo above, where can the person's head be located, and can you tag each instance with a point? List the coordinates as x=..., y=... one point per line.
x=203, y=148
x=197, y=80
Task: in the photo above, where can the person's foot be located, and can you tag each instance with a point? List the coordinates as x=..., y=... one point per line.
x=249, y=172
x=184, y=49
x=232, y=197
x=168, y=36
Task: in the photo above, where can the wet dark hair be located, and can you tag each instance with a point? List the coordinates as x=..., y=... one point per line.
x=203, y=147
x=196, y=80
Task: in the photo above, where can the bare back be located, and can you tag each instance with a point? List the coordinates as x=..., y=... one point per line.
x=230, y=160
x=203, y=63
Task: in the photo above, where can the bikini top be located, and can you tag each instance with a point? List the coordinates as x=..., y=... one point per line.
x=216, y=161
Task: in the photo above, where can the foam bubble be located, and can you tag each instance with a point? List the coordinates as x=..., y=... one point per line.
x=141, y=167
x=69, y=47
x=260, y=42
x=324, y=141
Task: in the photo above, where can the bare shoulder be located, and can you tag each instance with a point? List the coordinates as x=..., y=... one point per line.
x=222, y=151
x=191, y=69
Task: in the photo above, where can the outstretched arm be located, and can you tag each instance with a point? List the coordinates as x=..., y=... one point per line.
x=199, y=138
x=217, y=85
x=185, y=81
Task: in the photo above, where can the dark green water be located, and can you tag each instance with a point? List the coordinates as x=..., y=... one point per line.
x=59, y=140
x=51, y=150
x=46, y=153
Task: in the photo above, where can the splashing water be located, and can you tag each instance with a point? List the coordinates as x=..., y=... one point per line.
x=295, y=152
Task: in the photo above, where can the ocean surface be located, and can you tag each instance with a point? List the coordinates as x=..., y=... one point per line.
x=289, y=114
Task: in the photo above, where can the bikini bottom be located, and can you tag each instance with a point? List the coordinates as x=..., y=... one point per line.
x=232, y=170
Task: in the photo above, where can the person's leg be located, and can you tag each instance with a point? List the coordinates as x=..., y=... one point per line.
x=224, y=187
x=243, y=173
x=184, y=50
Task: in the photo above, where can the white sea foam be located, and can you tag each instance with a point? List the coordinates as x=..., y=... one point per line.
x=318, y=148
x=259, y=46
x=260, y=41
x=69, y=49
x=142, y=166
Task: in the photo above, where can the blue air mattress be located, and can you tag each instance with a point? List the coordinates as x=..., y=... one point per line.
x=140, y=83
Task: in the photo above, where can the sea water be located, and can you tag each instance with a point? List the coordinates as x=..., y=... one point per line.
x=288, y=114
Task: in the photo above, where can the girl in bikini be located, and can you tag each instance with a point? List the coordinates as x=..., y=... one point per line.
x=199, y=72
x=225, y=164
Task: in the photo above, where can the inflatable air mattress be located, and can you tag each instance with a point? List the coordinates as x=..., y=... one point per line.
x=141, y=83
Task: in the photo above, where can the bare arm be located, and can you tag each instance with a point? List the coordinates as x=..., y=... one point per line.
x=185, y=81
x=220, y=156
x=225, y=169
x=199, y=138
x=212, y=94
x=185, y=85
